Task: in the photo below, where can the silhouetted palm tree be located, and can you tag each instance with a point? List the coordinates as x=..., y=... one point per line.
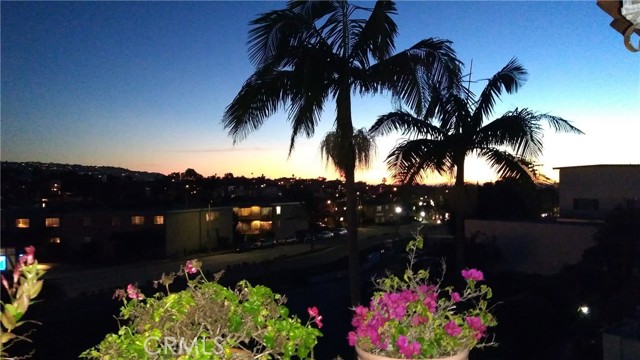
x=312, y=52
x=453, y=126
x=363, y=143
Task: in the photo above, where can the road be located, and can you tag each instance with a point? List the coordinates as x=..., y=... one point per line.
x=72, y=282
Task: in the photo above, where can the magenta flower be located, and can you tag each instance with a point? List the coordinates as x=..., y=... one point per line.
x=190, y=267
x=455, y=297
x=315, y=315
x=452, y=328
x=134, y=293
x=406, y=348
x=352, y=337
x=29, y=256
x=473, y=274
x=475, y=323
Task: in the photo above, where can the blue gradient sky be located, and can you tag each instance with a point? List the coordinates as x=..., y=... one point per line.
x=143, y=85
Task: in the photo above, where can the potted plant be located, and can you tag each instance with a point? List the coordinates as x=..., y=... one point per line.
x=25, y=285
x=207, y=320
x=412, y=318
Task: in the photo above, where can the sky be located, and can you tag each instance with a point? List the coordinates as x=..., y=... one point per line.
x=144, y=85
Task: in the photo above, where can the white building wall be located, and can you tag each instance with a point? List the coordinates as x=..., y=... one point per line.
x=611, y=185
x=540, y=248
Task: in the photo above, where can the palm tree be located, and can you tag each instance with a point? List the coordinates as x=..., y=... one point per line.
x=453, y=126
x=363, y=144
x=311, y=52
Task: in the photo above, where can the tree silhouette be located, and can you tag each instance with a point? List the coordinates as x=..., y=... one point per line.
x=453, y=126
x=312, y=52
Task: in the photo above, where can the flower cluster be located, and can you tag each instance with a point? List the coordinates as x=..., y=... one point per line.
x=26, y=286
x=412, y=318
x=207, y=321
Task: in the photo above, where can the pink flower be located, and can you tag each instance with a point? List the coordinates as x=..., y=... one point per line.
x=455, y=297
x=191, y=267
x=352, y=337
x=29, y=256
x=475, y=323
x=134, y=293
x=473, y=274
x=452, y=328
x=313, y=312
x=5, y=283
x=406, y=348
x=17, y=269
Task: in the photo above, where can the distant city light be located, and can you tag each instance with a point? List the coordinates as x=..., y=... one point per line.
x=584, y=310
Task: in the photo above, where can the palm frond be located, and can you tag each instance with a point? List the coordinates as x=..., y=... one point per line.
x=409, y=74
x=559, y=124
x=507, y=165
x=406, y=124
x=509, y=79
x=412, y=161
x=260, y=96
x=376, y=36
x=518, y=129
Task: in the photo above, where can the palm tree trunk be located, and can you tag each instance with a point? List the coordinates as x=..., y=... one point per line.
x=352, y=229
x=345, y=130
x=459, y=204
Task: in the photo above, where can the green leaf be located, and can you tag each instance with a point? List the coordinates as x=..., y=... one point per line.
x=6, y=336
x=35, y=289
x=8, y=321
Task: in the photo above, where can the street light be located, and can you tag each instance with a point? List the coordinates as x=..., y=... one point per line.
x=398, y=211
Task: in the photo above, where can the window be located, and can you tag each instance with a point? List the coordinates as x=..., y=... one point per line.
x=379, y=208
x=278, y=210
x=211, y=216
x=52, y=222
x=137, y=220
x=244, y=211
x=22, y=223
x=265, y=211
x=54, y=240
x=585, y=204
x=86, y=221
x=87, y=239
x=158, y=220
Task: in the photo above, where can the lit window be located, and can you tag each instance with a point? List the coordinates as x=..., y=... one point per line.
x=22, y=223
x=52, y=222
x=211, y=216
x=54, y=240
x=266, y=211
x=244, y=211
x=278, y=210
x=137, y=220
x=158, y=219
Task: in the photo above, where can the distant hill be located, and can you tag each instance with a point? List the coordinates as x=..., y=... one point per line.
x=29, y=166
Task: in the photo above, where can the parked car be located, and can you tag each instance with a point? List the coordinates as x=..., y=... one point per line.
x=326, y=234
x=244, y=246
x=288, y=240
x=265, y=243
x=339, y=232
